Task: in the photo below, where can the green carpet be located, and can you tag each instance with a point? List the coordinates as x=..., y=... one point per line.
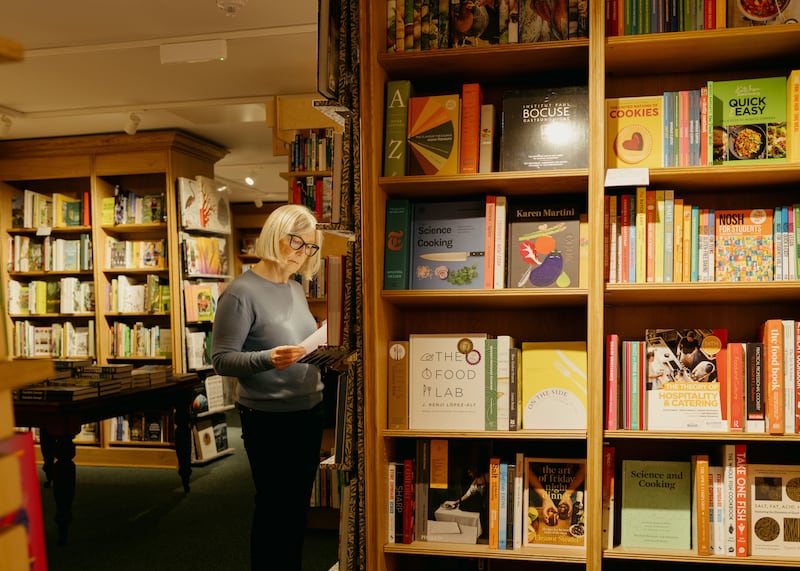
x=137, y=519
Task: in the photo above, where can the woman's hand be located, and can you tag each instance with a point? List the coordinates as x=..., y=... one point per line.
x=286, y=355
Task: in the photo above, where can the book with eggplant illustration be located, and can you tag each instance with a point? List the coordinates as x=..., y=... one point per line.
x=448, y=245
x=544, y=243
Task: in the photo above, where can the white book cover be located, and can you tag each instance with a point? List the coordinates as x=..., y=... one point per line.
x=774, y=496
x=500, y=216
x=486, y=148
x=447, y=382
x=789, y=376
x=716, y=510
x=729, y=497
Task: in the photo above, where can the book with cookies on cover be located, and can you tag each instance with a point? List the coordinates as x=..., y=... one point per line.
x=634, y=132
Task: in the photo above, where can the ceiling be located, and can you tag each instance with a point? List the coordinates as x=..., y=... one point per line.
x=90, y=63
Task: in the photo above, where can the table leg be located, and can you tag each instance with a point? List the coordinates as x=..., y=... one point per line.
x=183, y=442
x=63, y=478
x=47, y=446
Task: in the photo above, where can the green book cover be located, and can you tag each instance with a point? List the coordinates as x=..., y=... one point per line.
x=748, y=120
x=397, y=244
x=396, y=127
x=656, y=504
x=491, y=384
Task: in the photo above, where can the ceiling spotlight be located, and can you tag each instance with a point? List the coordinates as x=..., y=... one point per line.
x=5, y=126
x=249, y=180
x=231, y=7
x=132, y=124
x=259, y=203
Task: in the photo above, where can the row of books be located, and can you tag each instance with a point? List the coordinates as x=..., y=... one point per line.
x=48, y=254
x=38, y=297
x=481, y=382
x=720, y=122
x=457, y=491
x=327, y=489
x=421, y=25
x=485, y=244
x=198, y=349
x=141, y=427
x=630, y=17
x=312, y=150
x=127, y=294
x=58, y=340
x=712, y=504
x=200, y=300
x=32, y=209
x=315, y=192
x=652, y=236
x=209, y=437
x=136, y=254
x=698, y=380
x=204, y=255
x=453, y=133
x=128, y=207
x=139, y=340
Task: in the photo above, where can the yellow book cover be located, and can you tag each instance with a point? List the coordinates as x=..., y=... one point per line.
x=433, y=135
x=634, y=132
x=554, y=502
x=659, y=243
x=688, y=229
x=793, y=117
x=554, y=385
x=641, y=234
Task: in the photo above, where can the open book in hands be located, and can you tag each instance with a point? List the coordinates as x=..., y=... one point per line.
x=319, y=353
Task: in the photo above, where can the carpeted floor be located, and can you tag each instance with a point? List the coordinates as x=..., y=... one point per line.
x=136, y=519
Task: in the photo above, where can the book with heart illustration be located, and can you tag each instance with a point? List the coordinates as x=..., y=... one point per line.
x=634, y=132
x=544, y=129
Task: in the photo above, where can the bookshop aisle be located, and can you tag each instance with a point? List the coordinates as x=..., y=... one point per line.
x=139, y=518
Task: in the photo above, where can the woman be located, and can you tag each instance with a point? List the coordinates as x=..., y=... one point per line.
x=262, y=317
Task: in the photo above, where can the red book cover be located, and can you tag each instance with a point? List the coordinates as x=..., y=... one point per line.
x=471, y=101
x=650, y=220
x=797, y=377
x=87, y=209
x=408, y=500
x=488, y=253
x=736, y=387
x=742, y=529
x=29, y=514
x=625, y=239
x=612, y=381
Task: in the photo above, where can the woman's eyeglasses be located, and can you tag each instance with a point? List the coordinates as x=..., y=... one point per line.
x=296, y=242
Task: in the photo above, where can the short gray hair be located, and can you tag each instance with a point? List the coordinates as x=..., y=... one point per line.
x=288, y=219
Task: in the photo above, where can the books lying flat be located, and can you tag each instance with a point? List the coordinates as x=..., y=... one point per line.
x=328, y=356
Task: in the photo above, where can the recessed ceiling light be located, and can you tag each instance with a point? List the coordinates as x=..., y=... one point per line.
x=249, y=180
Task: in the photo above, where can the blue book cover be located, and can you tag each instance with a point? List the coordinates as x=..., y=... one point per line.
x=448, y=242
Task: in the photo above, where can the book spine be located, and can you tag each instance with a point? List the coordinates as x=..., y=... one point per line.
x=398, y=93
x=659, y=236
x=742, y=527
x=793, y=117
x=729, y=499
x=487, y=135
x=772, y=338
x=612, y=259
x=504, y=346
x=608, y=496
x=471, y=102
x=736, y=382
x=797, y=376
x=491, y=384
x=500, y=215
x=494, y=502
x=391, y=481
x=519, y=500
x=502, y=511
x=397, y=386
x=409, y=507
x=650, y=248
x=788, y=375
x=669, y=234
x=422, y=478
x=514, y=387
x=397, y=247
x=612, y=381
x=700, y=505
x=489, y=242
x=641, y=234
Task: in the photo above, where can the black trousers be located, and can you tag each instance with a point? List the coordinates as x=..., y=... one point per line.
x=283, y=449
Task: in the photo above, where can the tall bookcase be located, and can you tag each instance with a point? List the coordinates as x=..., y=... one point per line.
x=612, y=67
x=92, y=167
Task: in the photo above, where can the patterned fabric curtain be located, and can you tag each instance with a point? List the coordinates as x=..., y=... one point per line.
x=347, y=93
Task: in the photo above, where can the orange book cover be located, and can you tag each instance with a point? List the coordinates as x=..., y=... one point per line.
x=736, y=387
x=772, y=338
x=650, y=220
x=489, y=247
x=433, y=135
x=471, y=101
x=793, y=116
x=701, y=533
x=494, y=503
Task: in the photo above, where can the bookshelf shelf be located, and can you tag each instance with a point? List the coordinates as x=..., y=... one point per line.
x=485, y=298
x=506, y=183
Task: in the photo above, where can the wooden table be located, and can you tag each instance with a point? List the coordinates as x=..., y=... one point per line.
x=60, y=422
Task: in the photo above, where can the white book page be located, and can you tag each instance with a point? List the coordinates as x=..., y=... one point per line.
x=319, y=337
